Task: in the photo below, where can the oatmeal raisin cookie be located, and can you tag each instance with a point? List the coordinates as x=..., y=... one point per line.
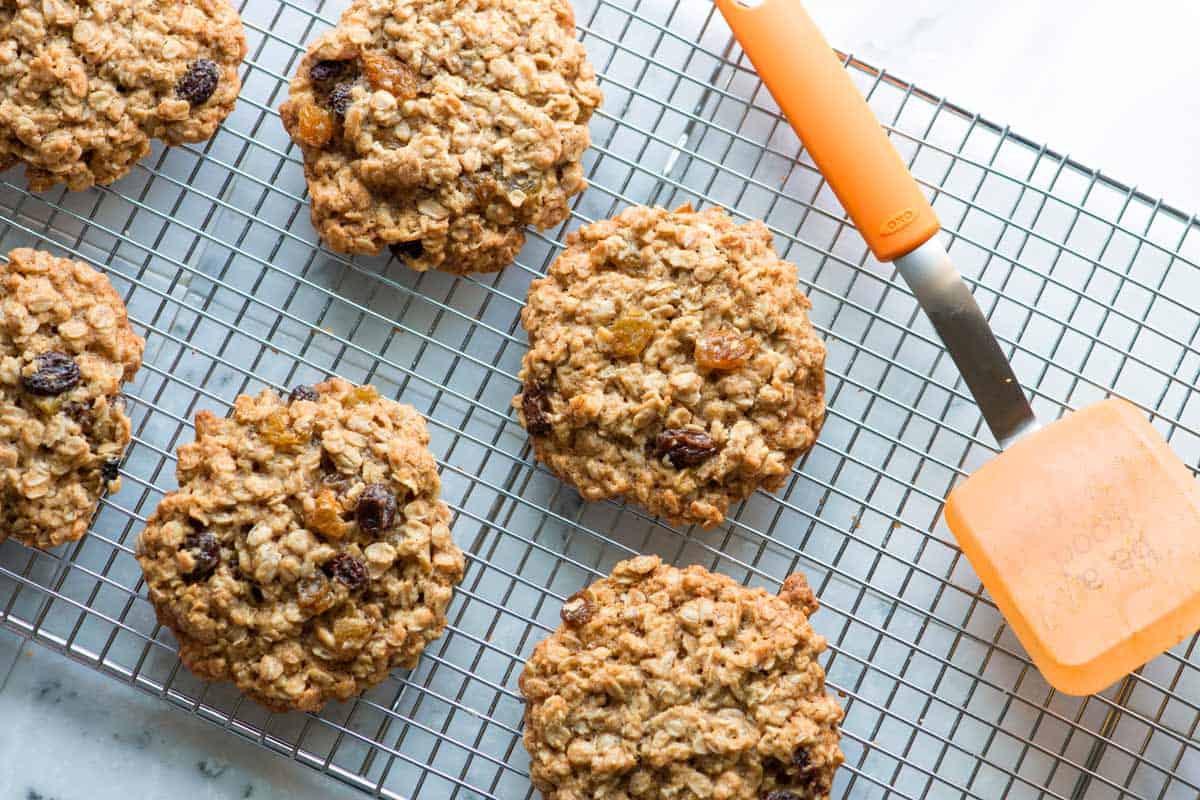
x=671, y=362
x=65, y=349
x=442, y=129
x=84, y=86
x=682, y=684
x=306, y=551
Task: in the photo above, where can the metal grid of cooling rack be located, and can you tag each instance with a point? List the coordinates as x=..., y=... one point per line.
x=1086, y=282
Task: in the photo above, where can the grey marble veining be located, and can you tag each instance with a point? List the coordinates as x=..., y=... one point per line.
x=69, y=733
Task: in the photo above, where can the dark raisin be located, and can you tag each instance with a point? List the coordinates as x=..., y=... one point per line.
x=199, y=82
x=81, y=413
x=56, y=373
x=577, y=610
x=347, y=569
x=110, y=469
x=536, y=409
x=408, y=250
x=782, y=794
x=800, y=758
x=323, y=71
x=205, y=550
x=331, y=477
x=339, y=99
x=339, y=485
x=376, y=509
x=76, y=410
x=684, y=448
x=482, y=188
x=303, y=392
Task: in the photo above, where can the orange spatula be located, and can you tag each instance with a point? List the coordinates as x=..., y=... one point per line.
x=1085, y=532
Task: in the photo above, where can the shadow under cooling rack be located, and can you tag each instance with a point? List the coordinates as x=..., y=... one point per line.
x=1089, y=284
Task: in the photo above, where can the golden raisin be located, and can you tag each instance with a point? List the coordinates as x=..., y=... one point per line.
x=359, y=395
x=277, y=430
x=630, y=335
x=316, y=126
x=390, y=74
x=724, y=349
x=325, y=517
x=47, y=405
x=314, y=594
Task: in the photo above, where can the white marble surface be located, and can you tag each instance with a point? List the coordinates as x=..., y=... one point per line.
x=70, y=734
x=1109, y=84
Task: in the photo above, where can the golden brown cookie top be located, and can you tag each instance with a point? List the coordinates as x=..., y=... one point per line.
x=680, y=683
x=84, y=86
x=66, y=347
x=306, y=551
x=443, y=128
x=672, y=362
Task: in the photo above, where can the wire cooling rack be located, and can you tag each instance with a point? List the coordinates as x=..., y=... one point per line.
x=1090, y=285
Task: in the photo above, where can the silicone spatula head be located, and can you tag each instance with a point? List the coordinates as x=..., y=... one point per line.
x=1086, y=532
x=1087, y=535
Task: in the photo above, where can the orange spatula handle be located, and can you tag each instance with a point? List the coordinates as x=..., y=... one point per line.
x=835, y=123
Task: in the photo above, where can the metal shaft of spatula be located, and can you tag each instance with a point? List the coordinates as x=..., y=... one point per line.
x=846, y=142
x=960, y=323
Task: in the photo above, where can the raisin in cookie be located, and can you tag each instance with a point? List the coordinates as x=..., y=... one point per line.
x=306, y=551
x=65, y=349
x=682, y=684
x=442, y=128
x=671, y=362
x=84, y=86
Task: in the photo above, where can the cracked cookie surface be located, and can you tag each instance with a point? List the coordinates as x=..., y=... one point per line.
x=306, y=551
x=682, y=684
x=84, y=86
x=672, y=362
x=65, y=349
x=442, y=128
